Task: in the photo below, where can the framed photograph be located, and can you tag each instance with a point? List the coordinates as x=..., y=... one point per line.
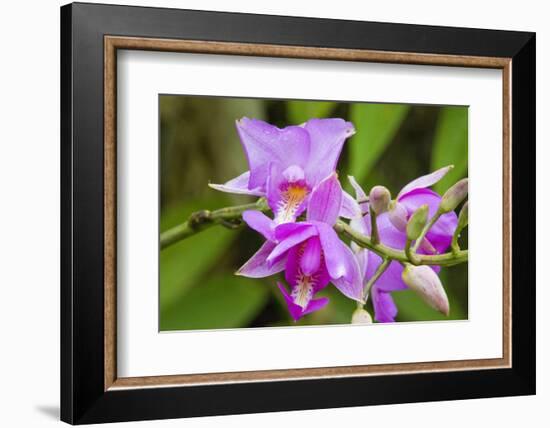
x=265, y=213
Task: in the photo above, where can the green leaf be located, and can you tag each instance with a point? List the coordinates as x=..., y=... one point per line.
x=376, y=125
x=223, y=301
x=411, y=307
x=302, y=111
x=183, y=263
x=450, y=145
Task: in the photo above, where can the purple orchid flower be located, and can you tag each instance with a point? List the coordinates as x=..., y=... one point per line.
x=391, y=229
x=286, y=164
x=310, y=252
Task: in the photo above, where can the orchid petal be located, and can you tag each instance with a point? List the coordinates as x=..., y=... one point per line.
x=360, y=194
x=350, y=287
x=332, y=249
x=389, y=235
x=362, y=257
x=274, y=181
x=439, y=236
x=304, y=286
x=426, y=247
x=293, y=274
x=311, y=257
x=391, y=279
x=296, y=311
x=425, y=181
x=238, y=185
x=292, y=267
x=358, y=224
x=286, y=199
x=341, y=264
x=264, y=143
x=260, y=223
x=384, y=306
x=315, y=305
x=293, y=174
x=283, y=231
x=292, y=239
x=325, y=201
x=398, y=216
x=441, y=233
x=327, y=138
x=256, y=266
x=350, y=208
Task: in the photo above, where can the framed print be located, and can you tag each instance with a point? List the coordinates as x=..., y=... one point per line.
x=265, y=213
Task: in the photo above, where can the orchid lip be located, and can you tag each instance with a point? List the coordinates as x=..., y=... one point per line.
x=293, y=195
x=302, y=292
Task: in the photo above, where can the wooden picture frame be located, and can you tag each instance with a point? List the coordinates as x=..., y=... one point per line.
x=91, y=390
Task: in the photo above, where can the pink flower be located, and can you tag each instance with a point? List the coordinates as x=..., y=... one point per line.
x=310, y=252
x=391, y=229
x=286, y=164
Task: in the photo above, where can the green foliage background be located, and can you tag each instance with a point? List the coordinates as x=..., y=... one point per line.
x=198, y=144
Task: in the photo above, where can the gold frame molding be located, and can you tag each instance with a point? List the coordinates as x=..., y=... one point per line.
x=113, y=43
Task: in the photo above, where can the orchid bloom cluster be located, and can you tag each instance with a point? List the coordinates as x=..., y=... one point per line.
x=294, y=169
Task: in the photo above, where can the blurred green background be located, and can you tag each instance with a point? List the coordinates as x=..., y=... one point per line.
x=393, y=144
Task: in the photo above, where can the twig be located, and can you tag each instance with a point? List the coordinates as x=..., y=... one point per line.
x=377, y=274
x=375, y=238
x=426, y=229
x=447, y=259
x=202, y=220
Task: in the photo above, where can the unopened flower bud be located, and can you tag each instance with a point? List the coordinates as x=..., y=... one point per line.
x=463, y=217
x=398, y=216
x=454, y=196
x=424, y=281
x=361, y=316
x=417, y=222
x=379, y=199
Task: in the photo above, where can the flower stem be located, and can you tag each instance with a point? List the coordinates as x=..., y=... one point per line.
x=455, y=248
x=229, y=217
x=377, y=274
x=462, y=223
x=375, y=238
x=425, y=231
x=447, y=259
x=232, y=216
x=409, y=253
